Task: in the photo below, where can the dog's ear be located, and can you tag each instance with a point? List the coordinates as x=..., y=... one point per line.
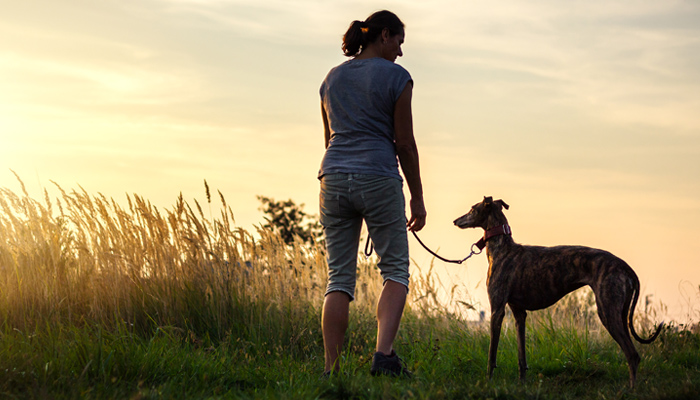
x=502, y=203
x=488, y=199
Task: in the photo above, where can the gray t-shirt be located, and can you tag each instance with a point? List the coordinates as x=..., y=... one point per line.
x=359, y=98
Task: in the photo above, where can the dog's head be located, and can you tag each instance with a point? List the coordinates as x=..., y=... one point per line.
x=478, y=216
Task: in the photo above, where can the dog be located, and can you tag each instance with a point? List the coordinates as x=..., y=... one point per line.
x=534, y=277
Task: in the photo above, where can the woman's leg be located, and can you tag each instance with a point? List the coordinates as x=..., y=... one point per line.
x=334, y=323
x=342, y=225
x=389, y=311
x=384, y=212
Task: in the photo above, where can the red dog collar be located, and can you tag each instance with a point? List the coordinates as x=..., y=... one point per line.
x=497, y=231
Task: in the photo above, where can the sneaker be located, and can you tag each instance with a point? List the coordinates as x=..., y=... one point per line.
x=390, y=365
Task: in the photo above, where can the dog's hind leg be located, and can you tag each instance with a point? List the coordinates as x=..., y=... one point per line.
x=497, y=314
x=520, y=316
x=613, y=302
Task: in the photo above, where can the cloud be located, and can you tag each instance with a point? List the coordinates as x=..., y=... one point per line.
x=614, y=60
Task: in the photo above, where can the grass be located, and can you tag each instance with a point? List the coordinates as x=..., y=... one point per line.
x=100, y=301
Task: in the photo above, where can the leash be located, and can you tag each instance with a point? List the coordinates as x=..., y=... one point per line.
x=497, y=231
x=368, y=245
x=445, y=259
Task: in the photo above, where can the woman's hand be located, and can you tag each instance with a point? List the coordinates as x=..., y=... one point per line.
x=418, y=215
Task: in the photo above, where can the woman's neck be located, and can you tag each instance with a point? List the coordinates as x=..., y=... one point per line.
x=370, y=51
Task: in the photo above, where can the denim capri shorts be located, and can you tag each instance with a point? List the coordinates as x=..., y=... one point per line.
x=345, y=201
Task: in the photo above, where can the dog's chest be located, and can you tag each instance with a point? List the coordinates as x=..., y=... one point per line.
x=499, y=272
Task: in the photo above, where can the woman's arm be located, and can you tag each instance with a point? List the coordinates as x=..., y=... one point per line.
x=326, y=128
x=407, y=151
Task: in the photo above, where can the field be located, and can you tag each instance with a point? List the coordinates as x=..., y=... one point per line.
x=103, y=301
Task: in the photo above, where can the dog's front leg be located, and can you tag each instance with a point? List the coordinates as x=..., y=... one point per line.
x=520, y=316
x=497, y=314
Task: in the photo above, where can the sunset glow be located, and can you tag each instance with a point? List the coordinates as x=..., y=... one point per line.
x=583, y=117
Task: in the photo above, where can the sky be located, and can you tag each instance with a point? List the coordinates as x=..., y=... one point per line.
x=581, y=115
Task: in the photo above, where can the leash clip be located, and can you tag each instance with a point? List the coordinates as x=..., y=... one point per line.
x=476, y=252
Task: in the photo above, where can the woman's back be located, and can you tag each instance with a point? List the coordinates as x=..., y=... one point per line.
x=359, y=97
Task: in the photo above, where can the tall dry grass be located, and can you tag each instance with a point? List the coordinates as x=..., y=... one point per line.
x=86, y=259
x=79, y=259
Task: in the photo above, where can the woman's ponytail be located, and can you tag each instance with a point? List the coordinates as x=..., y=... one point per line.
x=352, y=40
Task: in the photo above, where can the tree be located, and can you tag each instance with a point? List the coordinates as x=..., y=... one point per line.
x=290, y=220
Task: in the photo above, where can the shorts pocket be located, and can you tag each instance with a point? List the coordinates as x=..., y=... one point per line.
x=382, y=188
x=329, y=205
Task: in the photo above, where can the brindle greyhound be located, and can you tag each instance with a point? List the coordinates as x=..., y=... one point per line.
x=535, y=277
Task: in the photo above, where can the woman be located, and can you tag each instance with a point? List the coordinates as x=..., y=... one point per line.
x=366, y=109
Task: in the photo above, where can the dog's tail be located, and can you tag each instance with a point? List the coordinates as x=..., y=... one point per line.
x=631, y=321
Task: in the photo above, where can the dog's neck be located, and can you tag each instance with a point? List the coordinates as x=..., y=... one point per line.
x=498, y=230
x=497, y=226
